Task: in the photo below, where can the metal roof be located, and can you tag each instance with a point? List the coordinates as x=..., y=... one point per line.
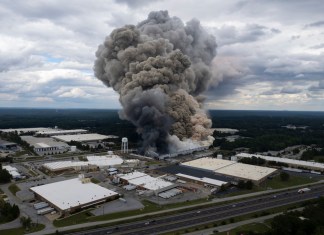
x=284, y=160
x=71, y=193
x=81, y=137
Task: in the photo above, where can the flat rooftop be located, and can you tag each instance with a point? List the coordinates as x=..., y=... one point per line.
x=230, y=168
x=61, y=165
x=42, y=142
x=24, y=130
x=246, y=171
x=196, y=172
x=203, y=180
x=208, y=163
x=132, y=175
x=102, y=161
x=284, y=160
x=81, y=137
x=72, y=193
x=60, y=132
x=145, y=181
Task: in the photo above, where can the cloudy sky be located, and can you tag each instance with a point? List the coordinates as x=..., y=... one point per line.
x=270, y=54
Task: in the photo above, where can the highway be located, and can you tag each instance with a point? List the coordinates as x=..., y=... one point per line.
x=207, y=215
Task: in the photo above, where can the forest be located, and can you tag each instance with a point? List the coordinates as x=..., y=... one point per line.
x=260, y=131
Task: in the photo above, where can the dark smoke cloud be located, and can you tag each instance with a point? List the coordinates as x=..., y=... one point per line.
x=160, y=67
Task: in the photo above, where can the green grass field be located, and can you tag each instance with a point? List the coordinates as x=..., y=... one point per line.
x=14, y=189
x=277, y=183
x=21, y=231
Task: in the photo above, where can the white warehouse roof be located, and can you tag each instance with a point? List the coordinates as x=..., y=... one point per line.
x=60, y=132
x=231, y=168
x=246, y=171
x=12, y=171
x=81, y=137
x=284, y=160
x=145, y=181
x=23, y=130
x=72, y=193
x=132, y=175
x=102, y=161
x=61, y=165
x=204, y=179
x=208, y=163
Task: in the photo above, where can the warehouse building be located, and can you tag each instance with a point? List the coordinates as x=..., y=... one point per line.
x=13, y=171
x=83, y=137
x=202, y=181
x=60, y=166
x=46, y=146
x=60, y=132
x=145, y=182
x=93, y=140
x=237, y=171
x=73, y=195
x=240, y=171
x=290, y=162
x=208, y=163
x=27, y=130
x=5, y=145
x=93, y=163
x=105, y=161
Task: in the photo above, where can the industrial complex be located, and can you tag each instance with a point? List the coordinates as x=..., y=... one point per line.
x=290, y=162
x=238, y=171
x=71, y=195
x=65, y=178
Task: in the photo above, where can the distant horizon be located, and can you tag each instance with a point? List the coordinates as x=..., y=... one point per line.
x=247, y=110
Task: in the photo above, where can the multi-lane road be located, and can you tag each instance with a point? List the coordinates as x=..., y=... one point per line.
x=208, y=215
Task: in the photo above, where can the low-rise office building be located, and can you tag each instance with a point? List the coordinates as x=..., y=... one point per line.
x=46, y=146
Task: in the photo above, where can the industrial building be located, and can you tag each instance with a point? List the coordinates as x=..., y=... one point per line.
x=27, y=130
x=105, y=161
x=208, y=163
x=5, y=145
x=241, y=171
x=72, y=195
x=60, y=132
x=237, y=171
x=60, y=166
x=146, y=182
x=83, y=137
x=46, y=146
x=93, y=140
x=203, y=181
x=93, y=163
x=13, y=171
x=290, y=162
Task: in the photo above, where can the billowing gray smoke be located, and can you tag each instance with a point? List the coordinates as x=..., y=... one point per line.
x=160, y=67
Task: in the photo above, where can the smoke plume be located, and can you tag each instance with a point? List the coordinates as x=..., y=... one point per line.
x=159, y=68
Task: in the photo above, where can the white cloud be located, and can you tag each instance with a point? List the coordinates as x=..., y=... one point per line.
x=75, y=93
x=44, y=99
x=270, y=53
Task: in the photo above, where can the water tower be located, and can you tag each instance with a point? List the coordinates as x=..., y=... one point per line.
x=124, y=147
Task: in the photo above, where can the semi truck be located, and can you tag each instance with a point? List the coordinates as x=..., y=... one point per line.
x=45, y=211
x=40, y=205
